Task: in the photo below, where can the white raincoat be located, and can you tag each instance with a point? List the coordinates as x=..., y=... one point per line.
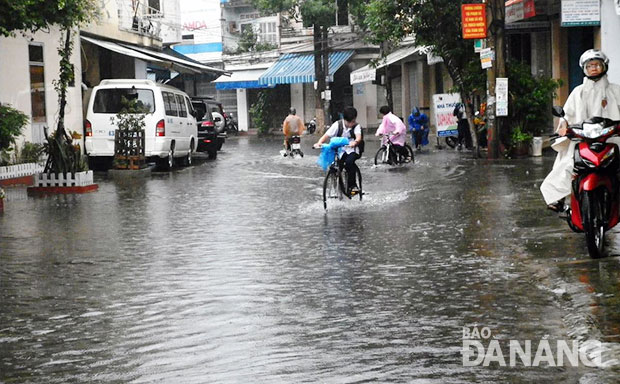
x=590, y=99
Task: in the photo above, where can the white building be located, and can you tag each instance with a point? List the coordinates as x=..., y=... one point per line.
x=27, y=78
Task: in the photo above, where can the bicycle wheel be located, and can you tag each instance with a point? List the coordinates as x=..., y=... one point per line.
x=330, y=187
x=409, y=154
x=358, y=179
x=381, y=156
x=344, y=187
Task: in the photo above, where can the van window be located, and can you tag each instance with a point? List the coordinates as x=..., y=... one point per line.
x=109, y=100
x=182, y=107
x=170, y=103
x=190, y=107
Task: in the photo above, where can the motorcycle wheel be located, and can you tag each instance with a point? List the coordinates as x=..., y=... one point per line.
x=451, y=141
x=593, y=224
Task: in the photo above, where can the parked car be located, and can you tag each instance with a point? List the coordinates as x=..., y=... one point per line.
x=170, y=126
x=207, y=132
x=207, y=104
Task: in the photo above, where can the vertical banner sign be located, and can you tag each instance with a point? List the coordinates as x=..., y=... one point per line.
x=474, y=21
x=487, y=55
x=445, y=121
x=578, y=13
x=501, y=93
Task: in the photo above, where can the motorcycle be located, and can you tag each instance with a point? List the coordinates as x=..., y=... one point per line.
x=312, y=126
x=231, y=126
x=594, y=205
x=294, y=148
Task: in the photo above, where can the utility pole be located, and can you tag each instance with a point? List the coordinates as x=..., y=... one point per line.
x=495, y=41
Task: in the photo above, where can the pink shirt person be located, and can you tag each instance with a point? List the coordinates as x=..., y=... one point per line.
x=392, y=125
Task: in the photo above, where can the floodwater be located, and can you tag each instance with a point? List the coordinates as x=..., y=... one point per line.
x=231, y=271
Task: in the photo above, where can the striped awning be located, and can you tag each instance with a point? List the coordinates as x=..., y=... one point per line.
x=299, y=68
x=247, y=78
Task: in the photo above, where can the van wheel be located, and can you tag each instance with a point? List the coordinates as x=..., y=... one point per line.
x=166, y=163
x=212, y=154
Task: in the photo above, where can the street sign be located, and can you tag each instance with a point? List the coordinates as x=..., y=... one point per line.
x=443, y=106
x=578, y=13
x=486, y=58
x=474, y=21
x=327, y=94
x=501, y=94
x=479, y=44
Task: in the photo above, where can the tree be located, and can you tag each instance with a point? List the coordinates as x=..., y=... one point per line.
x=31, y=16
x=320, y=15
x=436, y=24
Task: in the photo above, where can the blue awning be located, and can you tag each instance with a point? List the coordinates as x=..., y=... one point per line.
x=247, y=78
x=299, y=68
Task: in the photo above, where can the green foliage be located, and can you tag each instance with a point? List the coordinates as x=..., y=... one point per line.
x=130, y=123
x=258, y=113
x=269, y=110
x=30, y=153
x=249, y=43
x=33, y=15
x=530, y=98
x=12, y=121
x=519, y=135
x=64, y=156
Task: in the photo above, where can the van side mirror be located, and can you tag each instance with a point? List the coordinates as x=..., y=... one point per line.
x=558, y=111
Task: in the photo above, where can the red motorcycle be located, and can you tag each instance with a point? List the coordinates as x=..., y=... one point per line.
x=594, y=199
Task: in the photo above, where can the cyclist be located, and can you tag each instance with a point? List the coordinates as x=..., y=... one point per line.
x=346, y=127
x=292, y=126
x=392, y=125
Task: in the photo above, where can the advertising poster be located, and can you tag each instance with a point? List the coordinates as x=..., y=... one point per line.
x=443, y=106
x=578, y=13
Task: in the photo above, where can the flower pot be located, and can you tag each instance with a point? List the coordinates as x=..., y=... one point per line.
x=521, y=149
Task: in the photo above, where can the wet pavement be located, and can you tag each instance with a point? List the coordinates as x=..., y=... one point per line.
x=230, y=271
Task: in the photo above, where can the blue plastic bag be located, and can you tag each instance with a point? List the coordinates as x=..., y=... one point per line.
x=328, y=152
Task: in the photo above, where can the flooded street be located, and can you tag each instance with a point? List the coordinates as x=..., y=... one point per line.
x=231, y=271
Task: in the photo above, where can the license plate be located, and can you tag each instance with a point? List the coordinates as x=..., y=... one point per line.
x=296, y=146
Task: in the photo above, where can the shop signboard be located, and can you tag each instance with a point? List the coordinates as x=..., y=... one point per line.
x=443, y=106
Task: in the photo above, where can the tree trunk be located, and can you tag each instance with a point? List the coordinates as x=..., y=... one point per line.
x=495, y=41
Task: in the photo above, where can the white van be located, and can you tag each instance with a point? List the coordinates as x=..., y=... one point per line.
x=170, y=126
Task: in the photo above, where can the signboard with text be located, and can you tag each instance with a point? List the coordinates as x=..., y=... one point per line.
x=501, y=94
x=577, y=13
x=474, y=21
x=519, y=9
x=443, y=106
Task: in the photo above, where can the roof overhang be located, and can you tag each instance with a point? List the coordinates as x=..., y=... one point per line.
x=368, y=72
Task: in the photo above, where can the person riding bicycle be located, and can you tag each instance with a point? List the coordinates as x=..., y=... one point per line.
x=292, y=126
x=346, y=127
x=393, y=126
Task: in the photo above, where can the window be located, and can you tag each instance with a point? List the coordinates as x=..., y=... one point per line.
x=182, y=107
x=109, y=100
x=37, y=83
x=170, y=103
x=267, y=33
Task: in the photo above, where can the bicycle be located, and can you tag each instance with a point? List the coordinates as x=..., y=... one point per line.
x=388, y=155
x=335, y=182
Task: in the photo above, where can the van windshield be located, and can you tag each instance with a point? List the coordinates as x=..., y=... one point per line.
x=109, y=100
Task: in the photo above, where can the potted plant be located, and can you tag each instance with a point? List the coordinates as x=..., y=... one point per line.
x=520, y=142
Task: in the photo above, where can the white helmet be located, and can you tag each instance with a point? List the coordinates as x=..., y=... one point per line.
x=593, y=54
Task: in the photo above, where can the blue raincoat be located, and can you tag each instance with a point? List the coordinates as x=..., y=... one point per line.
x=418, y=121
x=328, y=152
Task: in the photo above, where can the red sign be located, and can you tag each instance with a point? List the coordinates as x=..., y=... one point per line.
x=519, y=9
x=474, y=20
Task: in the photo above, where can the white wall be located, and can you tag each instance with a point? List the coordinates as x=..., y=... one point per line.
x=297, y=100
x=610, y=30
x=15, y=80
x=243, y=113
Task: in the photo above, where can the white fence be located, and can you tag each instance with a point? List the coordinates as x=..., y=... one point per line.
x=20, y=170
x=79, y=179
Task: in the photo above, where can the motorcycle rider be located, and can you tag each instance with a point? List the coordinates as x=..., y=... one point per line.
x=596, y=97
x=292, y=126
x=393, y=125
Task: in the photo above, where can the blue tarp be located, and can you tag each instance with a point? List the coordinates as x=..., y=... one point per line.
x=328, y=152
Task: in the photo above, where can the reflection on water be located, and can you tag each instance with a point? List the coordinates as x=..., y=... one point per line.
x=231, y=271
